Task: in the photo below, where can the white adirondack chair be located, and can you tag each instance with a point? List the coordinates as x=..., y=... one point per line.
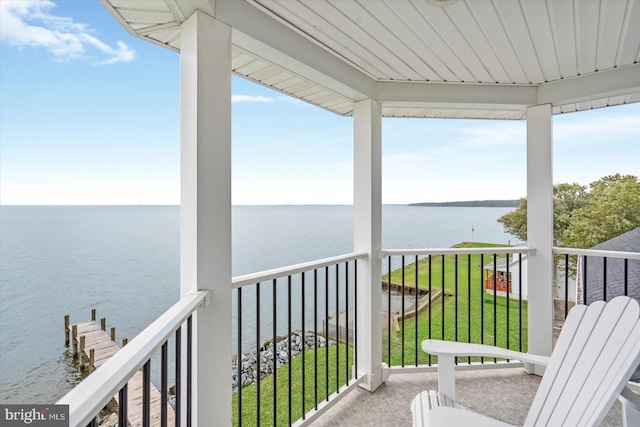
x=596, y=353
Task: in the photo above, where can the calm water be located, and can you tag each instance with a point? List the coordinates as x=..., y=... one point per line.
x=124, y=262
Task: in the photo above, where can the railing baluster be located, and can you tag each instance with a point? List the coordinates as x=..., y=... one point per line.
x=389, y=314
x=626, y=277
x=520, y=302
x=430, y=299
x=315, y=339
x=355, y=315
x=275, y=353
x=326, y=318
x=495, y=308
x=402, y=313
x=508, y=298
x=346, y=310
x=239, y=357
x=566, y=285
x=604, y=278
x=337, y=329
x=455, y=301
x=146, y=394
x=416, y=314
x=443, y=297
x=258, y=355
x=164, y=383
x=304, y=346
x=123, y=405
x=482, y=291
x=289, y=339
x=189, y=370
x=469, y=300
x=178, y=375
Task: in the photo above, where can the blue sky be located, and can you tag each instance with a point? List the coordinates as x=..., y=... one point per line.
x=90, y=115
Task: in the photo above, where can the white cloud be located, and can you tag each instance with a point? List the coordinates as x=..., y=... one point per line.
x=596, y=129
x=30, y=23
x=250, y=98
x=494, y=133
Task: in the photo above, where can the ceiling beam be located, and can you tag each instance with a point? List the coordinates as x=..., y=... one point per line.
x=262, y=35
x=603, y=84
x=456, y=95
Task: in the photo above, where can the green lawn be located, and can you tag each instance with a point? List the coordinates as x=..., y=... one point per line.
x=472, y=304
x=474, y=320
x=249, y=393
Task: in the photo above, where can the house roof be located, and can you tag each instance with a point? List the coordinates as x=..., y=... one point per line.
x=627, y=242
x=428, y=58
x=501, y=264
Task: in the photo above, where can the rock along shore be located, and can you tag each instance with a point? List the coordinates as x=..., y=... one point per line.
x=300, y=342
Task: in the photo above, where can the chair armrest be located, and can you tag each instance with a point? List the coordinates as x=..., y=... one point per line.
x=452, y=348
x=446, y=417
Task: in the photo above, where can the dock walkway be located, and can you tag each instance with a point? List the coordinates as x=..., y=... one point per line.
x=96, y=339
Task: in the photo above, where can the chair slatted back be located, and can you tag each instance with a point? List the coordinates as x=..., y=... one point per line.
x=596, y=353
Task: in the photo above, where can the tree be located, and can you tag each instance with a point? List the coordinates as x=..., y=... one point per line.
x=582, y=218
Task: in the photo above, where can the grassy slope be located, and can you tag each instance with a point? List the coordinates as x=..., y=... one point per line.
x=249, y=394
x=479, y=308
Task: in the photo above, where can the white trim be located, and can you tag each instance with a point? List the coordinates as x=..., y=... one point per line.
x=323, y=407
x=597, y=253
x=264, y=276
x=460, y=251
x=88, y=398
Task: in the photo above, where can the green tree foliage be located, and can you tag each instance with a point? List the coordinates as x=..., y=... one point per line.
x=583, y=218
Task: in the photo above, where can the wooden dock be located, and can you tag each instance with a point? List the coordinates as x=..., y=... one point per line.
x=91, y=342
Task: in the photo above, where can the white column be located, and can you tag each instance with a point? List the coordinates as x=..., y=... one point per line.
x=205, y=215
x=367, y=213
x=540, y=230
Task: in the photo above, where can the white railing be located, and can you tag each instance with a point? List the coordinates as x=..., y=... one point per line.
x=276, y=273
x=596, y=253
x=279, y=286
x=410, y=350
x=460, y=251
x=88, y=398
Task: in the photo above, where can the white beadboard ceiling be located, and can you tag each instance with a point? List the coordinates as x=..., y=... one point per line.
x=469, y=59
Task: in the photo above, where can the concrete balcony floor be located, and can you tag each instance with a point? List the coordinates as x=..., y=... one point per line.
x=504, y=394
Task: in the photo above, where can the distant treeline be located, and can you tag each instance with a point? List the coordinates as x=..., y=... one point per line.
x=475, y=204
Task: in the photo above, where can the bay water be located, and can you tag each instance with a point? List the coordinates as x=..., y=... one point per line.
x=123, y=261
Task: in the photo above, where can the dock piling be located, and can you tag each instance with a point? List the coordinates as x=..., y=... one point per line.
x=103, y=324
x=92, y=359
x=66, y=330
x=93, y=314
x=74, y=336
x=81, y=353
x=113, y=334
x=124, y=341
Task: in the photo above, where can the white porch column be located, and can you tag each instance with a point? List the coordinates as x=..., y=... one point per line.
x=205, y=215
x=367, y=213
x=540, y=230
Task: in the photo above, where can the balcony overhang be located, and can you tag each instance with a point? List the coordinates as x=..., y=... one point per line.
x=465, y=60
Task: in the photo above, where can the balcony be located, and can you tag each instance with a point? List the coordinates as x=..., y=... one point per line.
x=321, y=297
x=367, y=60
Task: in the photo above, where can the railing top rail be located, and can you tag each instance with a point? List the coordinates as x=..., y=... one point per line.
x=264, y=276
x=451, y=251
x=91, y=395
x=597, y=253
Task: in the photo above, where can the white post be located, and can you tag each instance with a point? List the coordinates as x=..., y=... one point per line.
x=540, y=230
x=205, y=215
x=367, y=213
